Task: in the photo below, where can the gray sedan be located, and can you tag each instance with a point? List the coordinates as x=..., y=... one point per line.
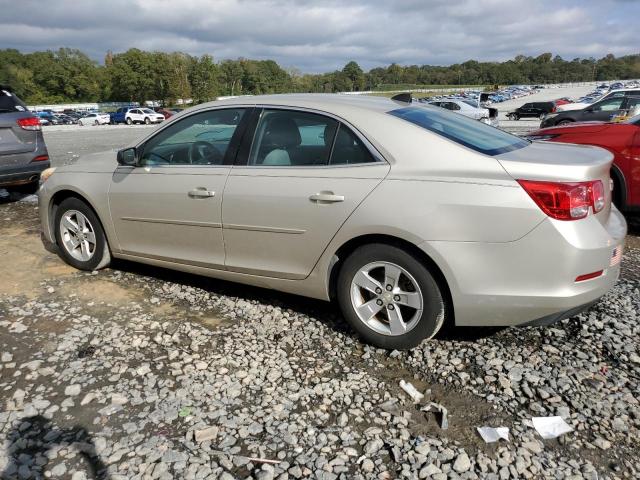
x=408, y=216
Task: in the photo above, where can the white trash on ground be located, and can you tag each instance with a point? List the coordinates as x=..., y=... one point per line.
x=415, y=395
x=490, y=434
x=551, y=427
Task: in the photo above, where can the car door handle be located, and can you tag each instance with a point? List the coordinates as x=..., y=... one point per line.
x=201, y=193
x=326, y=197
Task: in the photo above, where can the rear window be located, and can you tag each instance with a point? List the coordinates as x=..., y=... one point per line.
x=462, y=130
x=10, y=103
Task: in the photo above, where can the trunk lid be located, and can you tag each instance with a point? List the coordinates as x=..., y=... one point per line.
x=557, y=162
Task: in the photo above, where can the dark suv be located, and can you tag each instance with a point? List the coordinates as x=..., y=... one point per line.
x=23, y=153
x=603, y=110
x=532, y=109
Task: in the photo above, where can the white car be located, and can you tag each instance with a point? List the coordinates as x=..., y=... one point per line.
x=143, y=115
x=94, y=119
x=469, y=109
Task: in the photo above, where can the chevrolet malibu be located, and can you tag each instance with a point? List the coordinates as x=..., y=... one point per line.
x=408, y=216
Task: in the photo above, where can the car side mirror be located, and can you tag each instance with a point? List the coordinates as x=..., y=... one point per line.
x=127, y=157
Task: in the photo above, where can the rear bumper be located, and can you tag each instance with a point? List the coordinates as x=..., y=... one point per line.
x=23, y=174
x=531, y=280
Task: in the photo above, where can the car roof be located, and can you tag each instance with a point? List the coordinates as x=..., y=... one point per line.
x=328, y=102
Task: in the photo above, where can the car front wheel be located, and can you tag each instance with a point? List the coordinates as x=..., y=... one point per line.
x=79, y=235
x=389, y=297
x=147, y=120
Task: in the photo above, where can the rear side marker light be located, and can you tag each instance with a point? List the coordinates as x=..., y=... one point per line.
x=589, y=276
x=30, y=123
x=566, y=201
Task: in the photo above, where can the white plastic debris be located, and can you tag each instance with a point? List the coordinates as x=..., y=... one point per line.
x=490, y=434
x=415, y=395
x=550, y=427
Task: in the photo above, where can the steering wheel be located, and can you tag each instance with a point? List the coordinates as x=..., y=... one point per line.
x=204, y=153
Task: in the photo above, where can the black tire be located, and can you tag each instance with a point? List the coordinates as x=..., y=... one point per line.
x=96, y=123
x=147, y=120
x=542, y=115
x=432, y=317
x=514, y=116
x=101, y=256
x=129, y=121
x=564, y=122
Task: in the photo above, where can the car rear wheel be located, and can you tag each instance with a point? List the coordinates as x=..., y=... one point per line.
x=564, y=122
x=79, y=235
x=514, y=116
x=147, y=120
x=96, y=122
x=389, y=297
x=129, y=121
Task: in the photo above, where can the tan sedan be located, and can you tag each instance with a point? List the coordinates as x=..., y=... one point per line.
x=409, y=216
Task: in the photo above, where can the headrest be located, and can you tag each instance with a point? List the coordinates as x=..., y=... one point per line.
x=282, y=132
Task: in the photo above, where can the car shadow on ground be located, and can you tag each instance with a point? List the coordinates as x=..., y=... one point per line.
x=12, y=196
x=31, y=440
x=327, y=312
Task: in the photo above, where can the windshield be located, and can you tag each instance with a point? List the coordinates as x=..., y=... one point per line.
x=460, y=129
x=147, y=110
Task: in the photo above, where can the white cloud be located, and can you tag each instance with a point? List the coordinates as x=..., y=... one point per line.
x=323, y=35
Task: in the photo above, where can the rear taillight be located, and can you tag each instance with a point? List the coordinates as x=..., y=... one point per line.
x=597, y=193
x=30, y=123
x=41, y=158
x=566, y=201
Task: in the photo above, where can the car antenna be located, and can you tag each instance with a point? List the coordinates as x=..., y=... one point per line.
x=403, y=97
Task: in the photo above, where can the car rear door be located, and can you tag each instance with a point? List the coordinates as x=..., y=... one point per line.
x=294, y=185
x=169, y=207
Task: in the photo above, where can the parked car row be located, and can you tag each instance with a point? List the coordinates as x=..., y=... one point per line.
x=131, y=115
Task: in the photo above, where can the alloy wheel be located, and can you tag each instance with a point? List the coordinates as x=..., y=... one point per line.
x=386, y=298
x=78, y=235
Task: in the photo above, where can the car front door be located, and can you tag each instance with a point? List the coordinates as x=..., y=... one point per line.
x=295, y=183
x=602, y=111
x=168, y=206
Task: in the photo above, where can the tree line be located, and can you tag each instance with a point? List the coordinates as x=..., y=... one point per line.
x=69, y=75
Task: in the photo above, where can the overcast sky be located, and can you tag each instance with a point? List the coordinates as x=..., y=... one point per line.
x=318, y=36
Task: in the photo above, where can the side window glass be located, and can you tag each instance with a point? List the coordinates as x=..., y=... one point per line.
x=291, y=138
x=199, y=139
x=609, y=105
x=455, y=106
x=349, y=149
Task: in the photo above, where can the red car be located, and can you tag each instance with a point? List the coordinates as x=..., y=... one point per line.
x=622, y=139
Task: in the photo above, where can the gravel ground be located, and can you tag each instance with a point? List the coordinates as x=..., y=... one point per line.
x=140, y=372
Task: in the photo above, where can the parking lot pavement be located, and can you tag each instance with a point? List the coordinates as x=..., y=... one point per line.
x=67, y=142
x=140, y=372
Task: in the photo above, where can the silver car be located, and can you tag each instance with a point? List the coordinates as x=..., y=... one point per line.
x=408, y=216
